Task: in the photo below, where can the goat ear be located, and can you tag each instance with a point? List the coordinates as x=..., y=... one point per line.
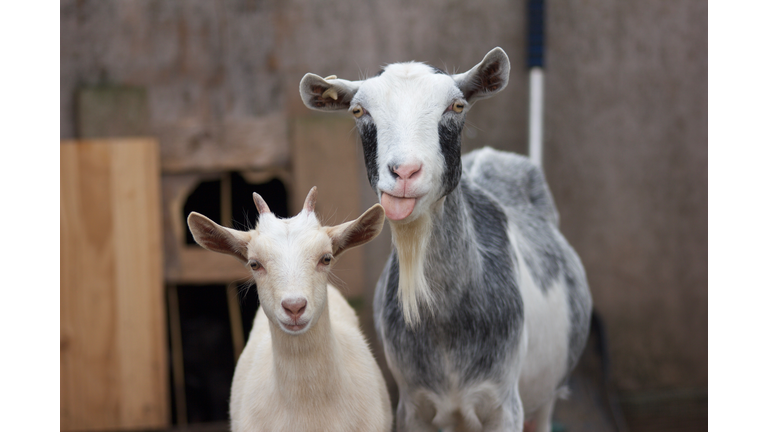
x=357, y=232
x=487, y=78
x=217, y=238
x=327, y=94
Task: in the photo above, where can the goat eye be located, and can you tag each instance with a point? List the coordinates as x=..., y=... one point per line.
x=255, y=265
x=358, y=111
x=326, y=259
x=457, y=107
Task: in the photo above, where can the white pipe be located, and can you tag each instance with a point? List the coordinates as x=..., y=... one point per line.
x=536, y=117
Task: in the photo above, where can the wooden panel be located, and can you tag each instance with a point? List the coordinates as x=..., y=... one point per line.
x=190, y=264
x=325, y=155
x=113, y=335
x=199, y=266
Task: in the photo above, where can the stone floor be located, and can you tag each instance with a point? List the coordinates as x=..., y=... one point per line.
x=586, y=410
x=587, y=407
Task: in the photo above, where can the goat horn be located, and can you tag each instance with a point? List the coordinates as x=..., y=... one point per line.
x=309, y=203
x=261, y=205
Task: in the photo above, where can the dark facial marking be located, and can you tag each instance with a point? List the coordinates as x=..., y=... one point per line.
x=449, y=131
x=368, y=136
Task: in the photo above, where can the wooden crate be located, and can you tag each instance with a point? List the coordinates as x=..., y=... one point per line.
x=114, y=371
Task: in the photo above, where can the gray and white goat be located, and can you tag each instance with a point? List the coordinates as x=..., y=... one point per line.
x=483, y=307
x=306, y=366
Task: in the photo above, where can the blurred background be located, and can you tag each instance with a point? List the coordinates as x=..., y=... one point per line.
x=175, y=106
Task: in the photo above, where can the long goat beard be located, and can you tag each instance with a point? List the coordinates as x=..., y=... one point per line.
x=411, y=241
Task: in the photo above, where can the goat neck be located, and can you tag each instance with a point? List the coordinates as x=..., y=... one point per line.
x=437, y=254
x=306, y=361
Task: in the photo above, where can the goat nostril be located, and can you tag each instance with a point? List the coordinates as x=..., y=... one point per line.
x=392, y=171
x=406, y=171
x=294, y=307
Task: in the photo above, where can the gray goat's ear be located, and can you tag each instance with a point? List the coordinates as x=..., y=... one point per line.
x=487, y=78
x=357, y=232
x=217, y=238
x=327, y=94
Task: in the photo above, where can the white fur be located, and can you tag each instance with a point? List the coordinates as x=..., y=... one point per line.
x=411, y=241
x=406, y=104
x=323, y=376
x=407, y=135
x=327, y=380
x=546, y=329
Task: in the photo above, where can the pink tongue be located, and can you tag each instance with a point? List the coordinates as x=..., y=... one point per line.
x=397, y=208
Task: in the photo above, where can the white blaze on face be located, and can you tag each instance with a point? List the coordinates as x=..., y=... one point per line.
x=289, y=250
x=410, y=119
x=290, y=259
x=406, y=105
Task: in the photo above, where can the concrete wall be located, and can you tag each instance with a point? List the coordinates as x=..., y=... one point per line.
x=626, y=122
x=626, y=158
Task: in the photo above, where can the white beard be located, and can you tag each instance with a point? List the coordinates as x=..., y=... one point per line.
x=411, y=241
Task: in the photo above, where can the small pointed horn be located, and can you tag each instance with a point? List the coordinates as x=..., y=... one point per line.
x=261, y=205
x=309, y=203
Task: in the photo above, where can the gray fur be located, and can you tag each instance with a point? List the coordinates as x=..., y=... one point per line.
x=479, y=322
x=492, y=241
x=521, y=188
x=471, y=264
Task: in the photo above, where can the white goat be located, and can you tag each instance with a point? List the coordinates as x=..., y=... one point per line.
x=306, y=366
x=483, y=308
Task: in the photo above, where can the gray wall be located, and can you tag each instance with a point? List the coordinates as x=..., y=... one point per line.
x=625, y=139
x=626, y=158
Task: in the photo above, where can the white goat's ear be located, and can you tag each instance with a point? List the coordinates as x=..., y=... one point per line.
x=357, y=232
x=327, y=94
x=217, y=238
x=487, y=78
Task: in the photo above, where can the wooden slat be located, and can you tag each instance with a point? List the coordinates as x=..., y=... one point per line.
x=113, y=336
x=177, y=355
x=199, y=266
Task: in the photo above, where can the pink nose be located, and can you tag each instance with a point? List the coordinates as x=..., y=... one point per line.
x=407, y=171
x=294, y=307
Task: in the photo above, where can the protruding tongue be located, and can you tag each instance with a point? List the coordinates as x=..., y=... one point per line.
x=397, y=208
